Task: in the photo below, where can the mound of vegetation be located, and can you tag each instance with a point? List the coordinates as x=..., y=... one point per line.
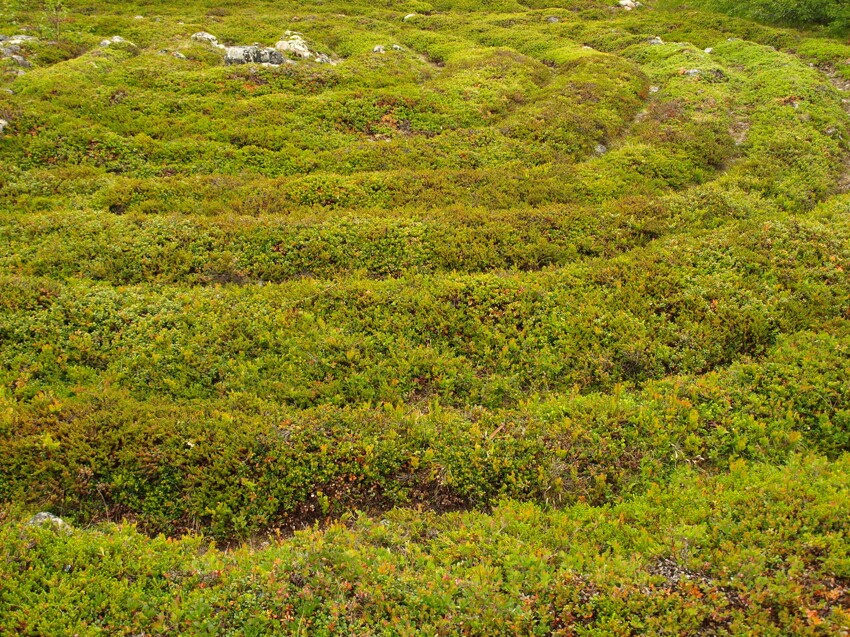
x=452, y=318
x=799, y=13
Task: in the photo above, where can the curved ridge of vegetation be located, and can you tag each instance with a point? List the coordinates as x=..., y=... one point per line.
x=489, y=318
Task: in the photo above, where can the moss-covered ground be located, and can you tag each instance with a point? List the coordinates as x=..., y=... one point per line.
x=498, y=318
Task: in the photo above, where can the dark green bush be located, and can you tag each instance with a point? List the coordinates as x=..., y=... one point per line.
x=795, y=13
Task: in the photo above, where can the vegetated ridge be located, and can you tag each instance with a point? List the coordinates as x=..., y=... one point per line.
x=450, y=318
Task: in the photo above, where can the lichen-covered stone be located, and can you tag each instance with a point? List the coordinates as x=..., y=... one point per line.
x=48, y=519
x=207, y=38
x=294, y=43
x=252, y=54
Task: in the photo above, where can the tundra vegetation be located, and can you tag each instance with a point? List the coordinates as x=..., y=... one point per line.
x=461, y=317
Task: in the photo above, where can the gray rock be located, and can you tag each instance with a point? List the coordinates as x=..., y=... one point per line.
x=252, y=54
x=48, y=519
x=398, y=47
x=207, y=38
x=321, y=58
x=379, y=49
x=20, y=61
x=600, y=149
x=11, y=49
x=3, y=125
x=20, y=39
x=179, y=55
x=293, y=42
x=271, y=56
x=628, y=5
x=691, y=72
x=553, y=20
x=115, y=39
x=409, y=16
x=709, y=50
x=3, y=38
x=240, y=54
x=655, y=41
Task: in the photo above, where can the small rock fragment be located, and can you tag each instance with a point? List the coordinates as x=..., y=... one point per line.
x=3, y=125
x=655, y=41
x=409, y=16
x=379, y=49
x=553, y=20
x=179, y=55
x=709, y=50
x=397, y=47
x=115, y=39
x=654, y=89
x=20, y=61
x=628, y=5
x=600, y=149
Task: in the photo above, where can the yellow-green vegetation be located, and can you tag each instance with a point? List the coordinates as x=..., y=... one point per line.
x=759, y=551
x=461, y=318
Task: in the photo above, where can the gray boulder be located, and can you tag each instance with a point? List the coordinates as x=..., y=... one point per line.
x=294, y=43
x=207, y=38
x=20, y=39
x=252, y=54
x=20, y=61
x=48, y=519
